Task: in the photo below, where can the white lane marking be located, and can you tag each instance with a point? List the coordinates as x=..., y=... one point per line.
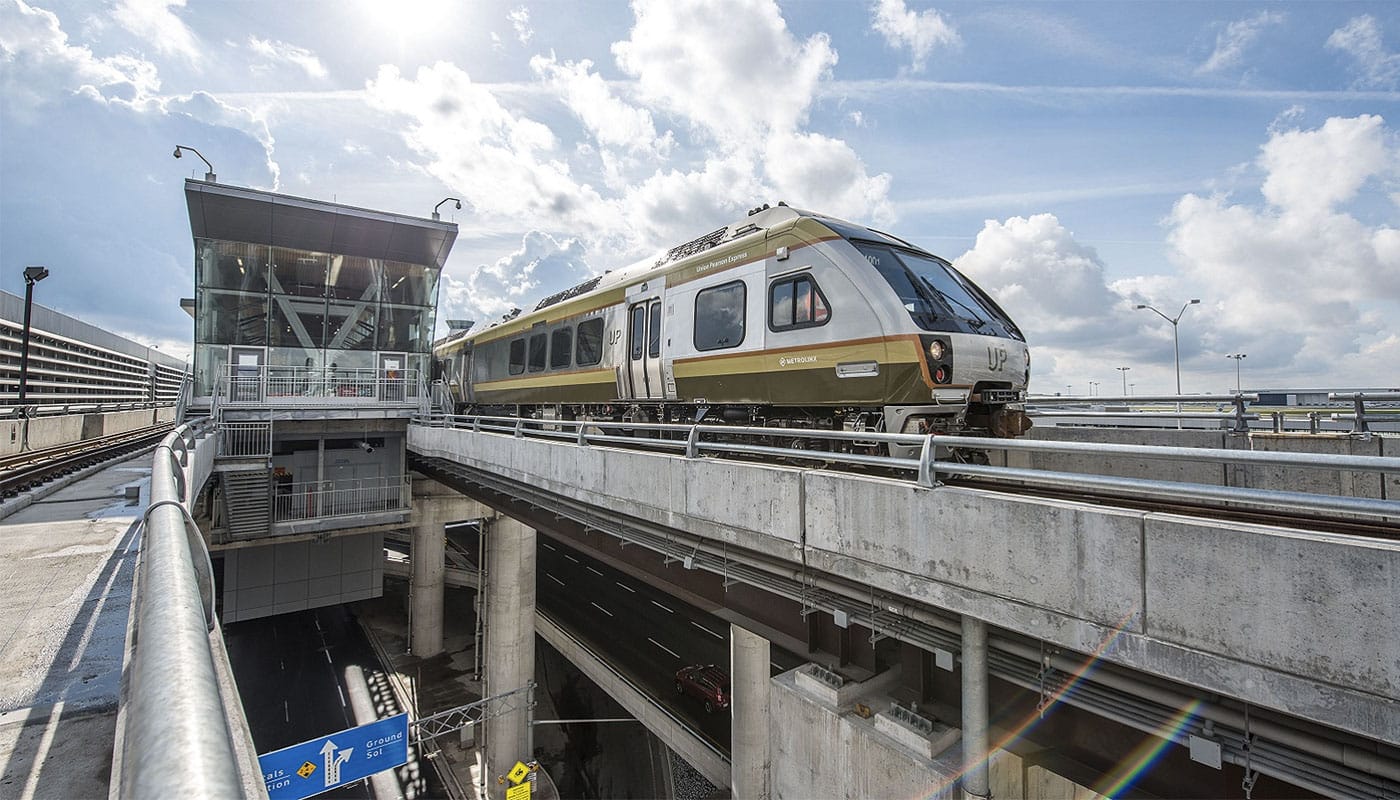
x=663, y=608
x=594, y=571
x=286, y=714
x=571, y=558
x=625, y=586
x=776, y=665
x=547, y=544
x=663, y=647
x=282, y=665
x=556, y=580
x=317, y=619
x=707, y=630
x=342, y=695
x=327, y=653
x=600, y=608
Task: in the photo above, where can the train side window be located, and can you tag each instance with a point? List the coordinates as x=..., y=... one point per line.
x=561, y=345
x=538, y=344
x=654, y=330
x=719, y=316
x=590, y=342
x=639, y=328
x=517, y=356
x=796, y=303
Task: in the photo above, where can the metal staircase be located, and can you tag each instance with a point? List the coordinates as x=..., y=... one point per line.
x=248, y=503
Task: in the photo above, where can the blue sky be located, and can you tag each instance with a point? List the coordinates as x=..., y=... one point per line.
x=1074, y=158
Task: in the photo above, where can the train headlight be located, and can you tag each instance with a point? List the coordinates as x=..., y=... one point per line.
x=936, y=350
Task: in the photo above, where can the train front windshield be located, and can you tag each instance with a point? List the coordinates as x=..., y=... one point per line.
x=936, y=294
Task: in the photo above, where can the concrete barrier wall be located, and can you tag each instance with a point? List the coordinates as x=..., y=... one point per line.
x=123, y=421
x=1334, y=482
x=1303, y=623
x=1185, y=471
x=56, y=431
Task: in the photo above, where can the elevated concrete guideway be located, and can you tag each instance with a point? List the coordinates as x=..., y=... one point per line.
x=1294, y=621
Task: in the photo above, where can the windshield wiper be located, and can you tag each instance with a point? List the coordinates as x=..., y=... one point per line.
x=975, y=321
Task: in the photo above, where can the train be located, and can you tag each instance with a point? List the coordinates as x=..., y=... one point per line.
x=785, y=318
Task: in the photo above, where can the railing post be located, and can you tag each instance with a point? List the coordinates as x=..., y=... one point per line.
x=928, y=473
x=519, y=427
x=582, y=436
x=1360, y=426
x=692, y=442
x=1240, y=426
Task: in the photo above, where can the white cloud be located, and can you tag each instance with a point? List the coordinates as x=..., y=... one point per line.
x=156, y=22
x=520, y=20
x=501, y=162
x=542, y=265
x=735, y=82
x=283, y=53
x=919, y=32
x=1300, y=277
x=40, y=62
x=1050, y=284
x=825, y=174
x=1361, y=39
x=1237, y=36
x=612, y=122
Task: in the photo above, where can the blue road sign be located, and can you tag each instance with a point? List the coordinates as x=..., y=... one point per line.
x=321, y=764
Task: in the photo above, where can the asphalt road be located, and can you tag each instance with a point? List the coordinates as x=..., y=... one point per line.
x=290, y=673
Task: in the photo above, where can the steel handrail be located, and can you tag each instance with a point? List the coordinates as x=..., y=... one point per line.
x=176, y=738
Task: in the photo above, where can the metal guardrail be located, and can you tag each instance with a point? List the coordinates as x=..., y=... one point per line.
x=59, y=409
x=938, y=455
x=323, y=499
x=176, y=739
x=1097, y=407
x=293, y=386
x=245, y=439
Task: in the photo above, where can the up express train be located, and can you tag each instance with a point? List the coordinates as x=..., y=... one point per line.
x=786, y=318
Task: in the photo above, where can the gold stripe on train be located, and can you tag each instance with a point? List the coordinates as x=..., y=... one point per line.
x=577, y=378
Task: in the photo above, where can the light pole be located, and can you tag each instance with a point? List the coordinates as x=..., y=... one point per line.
x=32, y=275
x=1124, y=372
x=1238, y=358
x=1092, y=386
x=436, y=215
x=1176, y=341
x=208, y=176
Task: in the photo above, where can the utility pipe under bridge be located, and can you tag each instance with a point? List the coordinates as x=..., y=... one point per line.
x=1299, y=622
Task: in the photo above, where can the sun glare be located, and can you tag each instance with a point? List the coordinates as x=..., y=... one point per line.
x=406, y=20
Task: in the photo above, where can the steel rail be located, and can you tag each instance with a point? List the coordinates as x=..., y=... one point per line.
x=31, y=473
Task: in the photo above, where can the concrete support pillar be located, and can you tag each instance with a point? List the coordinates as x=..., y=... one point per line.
x=974, y=708
x=426, y=587
x=430, y=514
x=509, y=597
x=749, y=676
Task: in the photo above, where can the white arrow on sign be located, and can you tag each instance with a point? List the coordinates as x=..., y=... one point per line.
x=333, y=761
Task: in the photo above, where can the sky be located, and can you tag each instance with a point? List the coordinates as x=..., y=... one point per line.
x=1074, y=159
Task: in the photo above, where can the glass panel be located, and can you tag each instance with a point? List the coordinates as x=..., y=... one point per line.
x=297, y=322
x=209, y=363
x=354, y=278
x=231, y=265
x=802, y=308
x=820, y=312
x=590, y=342
x=517, y=357
x=561, y=342
x=639, y=321
x=299, y=272
x=780, y=305
x=228, y=317
x=538, y=343
x=719, y=317
x=410, y=284
x=654, y=330
x=351, y=325
x=405, y=328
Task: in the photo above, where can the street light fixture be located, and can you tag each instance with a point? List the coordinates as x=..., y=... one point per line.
x=1176, y=345
x=208, y=176
x=1238, y=358
x=1124, y=372
x=32, y=275
x=436, y=215
x=1092, y=385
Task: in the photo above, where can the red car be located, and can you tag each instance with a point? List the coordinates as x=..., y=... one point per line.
x=704, y=682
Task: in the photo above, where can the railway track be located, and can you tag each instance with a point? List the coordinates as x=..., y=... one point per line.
x=25, y=471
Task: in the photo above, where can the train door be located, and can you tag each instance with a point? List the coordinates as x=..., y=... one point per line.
x=644, y=332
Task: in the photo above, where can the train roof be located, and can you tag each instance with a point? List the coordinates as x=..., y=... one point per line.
x=759, y=221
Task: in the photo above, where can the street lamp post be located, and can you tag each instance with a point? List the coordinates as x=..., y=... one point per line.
x=1238, y=358
x=1124, y=372
x=436, y=216
x=1176, y=344
x=208, y=176
x=32, y=275
x=1092, y=385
